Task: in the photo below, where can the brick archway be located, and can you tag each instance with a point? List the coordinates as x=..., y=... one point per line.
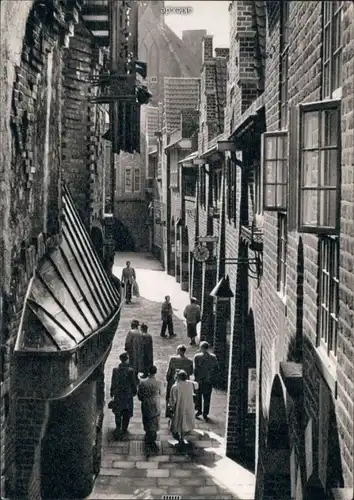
x=276, y=459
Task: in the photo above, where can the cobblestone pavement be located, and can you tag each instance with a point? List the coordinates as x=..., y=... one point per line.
x=202, y=471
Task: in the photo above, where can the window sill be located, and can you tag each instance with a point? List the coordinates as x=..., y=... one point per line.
x=327, y=368
x=337, y=94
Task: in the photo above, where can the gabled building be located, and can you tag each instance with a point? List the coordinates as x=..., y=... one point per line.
x=166, y=56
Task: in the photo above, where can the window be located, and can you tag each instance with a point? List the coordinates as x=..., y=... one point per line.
x=275, y=170
x=136, y=180
x=128, y=180
x=216, y=187
x=332, y=47
x=174, y=168
x=328, y=293
x=319, y=167
x=284, y=63
x=282, y=249
x=153, y=79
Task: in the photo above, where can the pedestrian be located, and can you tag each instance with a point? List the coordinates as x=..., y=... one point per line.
x=177, y=362
x=149, y=393
x=182, y=406
x=167, y=317
x=134, y=347
x=123, y=390
x=192, y=315
x=205, y=366
x=148, y=349
x=128, y=279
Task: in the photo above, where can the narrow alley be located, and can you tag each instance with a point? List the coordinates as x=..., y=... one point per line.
x=203, y=471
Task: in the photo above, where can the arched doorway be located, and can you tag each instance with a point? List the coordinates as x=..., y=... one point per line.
x=97, y=240
x=124, y=241
x=277, y=477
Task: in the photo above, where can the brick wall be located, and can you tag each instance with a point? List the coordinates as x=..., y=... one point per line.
x=31, y=145
x=30, y=208
x=84, y=123
x=276, y=326
x=345, y=409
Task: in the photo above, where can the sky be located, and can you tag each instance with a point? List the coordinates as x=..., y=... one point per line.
x=207, y=14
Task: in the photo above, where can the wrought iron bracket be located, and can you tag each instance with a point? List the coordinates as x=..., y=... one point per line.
x=254, y=273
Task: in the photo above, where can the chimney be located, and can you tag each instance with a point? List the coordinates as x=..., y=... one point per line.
x=207, y=48
x=222, y=52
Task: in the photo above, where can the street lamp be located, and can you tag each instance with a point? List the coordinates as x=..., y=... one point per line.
x=222, y=290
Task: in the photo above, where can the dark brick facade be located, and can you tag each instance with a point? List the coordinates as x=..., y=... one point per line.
x=299, y=434
x=43, y=107
x=166, y=56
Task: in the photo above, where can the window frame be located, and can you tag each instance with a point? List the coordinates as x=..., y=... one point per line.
x=126, y=170
x=135, y=177
x=320, y=106
x=282, y=248
x=330, y=70
x=285, y=166
x=328, y=295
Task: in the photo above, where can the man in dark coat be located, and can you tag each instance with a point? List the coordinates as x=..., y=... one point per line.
x=176, y=363
x=167, y=317
x=149, y=392
x=123, y=390
x=128, y=279
x=148, y=349
x=193, y=317
x=205, y=367
x=134, y=346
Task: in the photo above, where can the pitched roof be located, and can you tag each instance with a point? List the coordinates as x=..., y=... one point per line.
x=188, y=62
x=180, y=93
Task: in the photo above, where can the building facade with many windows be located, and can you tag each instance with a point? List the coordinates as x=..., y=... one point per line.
x=274, y=216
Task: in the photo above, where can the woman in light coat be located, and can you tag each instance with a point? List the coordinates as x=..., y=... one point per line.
x=182, y=406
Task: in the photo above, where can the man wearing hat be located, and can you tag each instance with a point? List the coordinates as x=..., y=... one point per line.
x=134, y=346
x=205, y=366
x=192, y=315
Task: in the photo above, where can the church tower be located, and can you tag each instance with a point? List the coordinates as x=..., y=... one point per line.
x=156, y=7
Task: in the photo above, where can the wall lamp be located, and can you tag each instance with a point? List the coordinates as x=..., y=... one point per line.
x=254, y=267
